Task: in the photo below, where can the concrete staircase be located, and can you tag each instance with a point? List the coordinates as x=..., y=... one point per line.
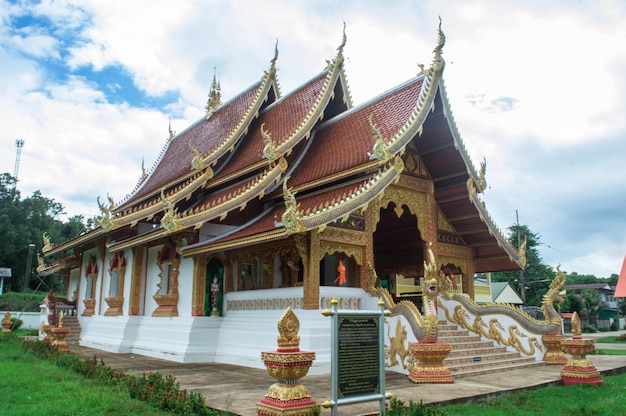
x=72, y=323
x=470, y=356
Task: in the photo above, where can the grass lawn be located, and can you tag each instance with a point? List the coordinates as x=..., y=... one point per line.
x=33, y=386
x=611, y=340
x=576, y=400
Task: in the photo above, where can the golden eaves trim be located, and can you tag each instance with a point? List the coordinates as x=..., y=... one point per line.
x=296, y=221
x=137, y=241
x=155, y=205
x=78, y=241
x=275, y=234
x=255, y=188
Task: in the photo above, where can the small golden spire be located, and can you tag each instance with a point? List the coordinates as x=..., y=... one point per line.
x=172, y=133
x=215, y=96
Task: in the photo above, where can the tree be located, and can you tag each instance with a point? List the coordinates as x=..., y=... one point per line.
x=537, y=276
x=23, y=222
x=593, y=305
x=572, y=303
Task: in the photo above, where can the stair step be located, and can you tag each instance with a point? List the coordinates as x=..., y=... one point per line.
x=476, y=371
x=483, y=358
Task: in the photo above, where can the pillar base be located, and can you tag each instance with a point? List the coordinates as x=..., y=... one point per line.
x=430, y=368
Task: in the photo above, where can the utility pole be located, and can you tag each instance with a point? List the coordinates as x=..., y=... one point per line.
x=28, y=262
x=19, y=143
x=522, y=285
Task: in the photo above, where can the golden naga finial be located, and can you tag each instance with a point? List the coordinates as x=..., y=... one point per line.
x=379, y=150
x=47, y=245
x=170, y=217
x=196, y=160
x=275, y=58
x=343, y=40
x=291, y=216
x=215, y=96
x=288, y=328
x=521, y=251
x=430, y=266
x=40, y=263
x=107, y=221
x=438, y=62
x=482, y=180
x=269, y=151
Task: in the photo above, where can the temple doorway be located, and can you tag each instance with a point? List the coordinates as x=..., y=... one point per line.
x=214, y=292
x=399, y=252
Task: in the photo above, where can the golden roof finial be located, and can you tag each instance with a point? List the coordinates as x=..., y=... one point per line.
x=172, y=133
x=275, y=58
x=343, y=40
x=215, y=96
x=438, y=62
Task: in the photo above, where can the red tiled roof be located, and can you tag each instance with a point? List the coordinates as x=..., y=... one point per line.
x=205, y=135
x=281, y=119
x=345, y=141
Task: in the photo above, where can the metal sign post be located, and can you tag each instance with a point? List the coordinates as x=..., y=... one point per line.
x=357, y=357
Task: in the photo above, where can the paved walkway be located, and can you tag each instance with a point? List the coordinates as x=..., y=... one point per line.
x=238, y=389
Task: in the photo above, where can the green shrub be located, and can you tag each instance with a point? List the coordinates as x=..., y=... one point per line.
x=589, y=329
x=396, y=407
x=17, y=301
x=160, y=391
x=16, y=324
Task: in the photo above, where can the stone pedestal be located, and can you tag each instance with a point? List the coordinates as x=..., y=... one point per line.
x=59, y=334
x=554, y=354
x=6, y=323
x=47, y=329
x=430, y=368
x=578, y=369
x=287, y=364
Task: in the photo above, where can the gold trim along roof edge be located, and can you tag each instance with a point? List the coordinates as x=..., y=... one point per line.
x=206, y=247
x=253, y=189
x=425, y=100
x=138, y=240
x=335, y=67
x=503, y=243
x=203, y=246
x=70, y=244
x=295, y=221
x=459, y=144
x=155, y=204
x=242, y=127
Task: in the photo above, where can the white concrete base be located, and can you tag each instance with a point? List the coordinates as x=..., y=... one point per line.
x=237, y=338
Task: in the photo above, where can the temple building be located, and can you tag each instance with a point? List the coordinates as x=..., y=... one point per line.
x=273, y=200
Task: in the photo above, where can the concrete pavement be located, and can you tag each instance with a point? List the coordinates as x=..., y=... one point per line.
x=238, y=389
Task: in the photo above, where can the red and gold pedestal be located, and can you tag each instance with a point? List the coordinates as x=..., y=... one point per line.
x=7, y=323
x=554, y=354
x=430, y=368
x=47, y=329
x=59, y=333
x=578, y=369
x=287, y=364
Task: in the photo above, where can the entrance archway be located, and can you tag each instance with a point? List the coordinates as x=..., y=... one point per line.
x=398, y=250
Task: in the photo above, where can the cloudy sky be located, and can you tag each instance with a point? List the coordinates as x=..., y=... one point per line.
x=538, y=88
